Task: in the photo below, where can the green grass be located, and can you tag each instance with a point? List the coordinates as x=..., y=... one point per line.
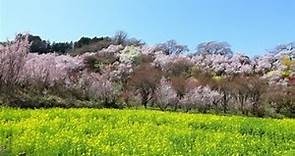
x=140, y=132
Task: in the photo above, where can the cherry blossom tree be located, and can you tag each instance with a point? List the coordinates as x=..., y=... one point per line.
x=12, y=60
x=264, y=63
x=201, y=98
x=165, y=95
x=214, y=47
x=239, y=64
x=102, y=89
x=172, y=47
x=49, y=69
x=144, y=81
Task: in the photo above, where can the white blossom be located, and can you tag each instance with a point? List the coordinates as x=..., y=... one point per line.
x=130, y=54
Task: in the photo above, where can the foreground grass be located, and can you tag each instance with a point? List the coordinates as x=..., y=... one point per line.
x=140, y=132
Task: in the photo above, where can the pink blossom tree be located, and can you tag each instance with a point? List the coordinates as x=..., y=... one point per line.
x=201, y=98
x=12, y=60
x=165, y=95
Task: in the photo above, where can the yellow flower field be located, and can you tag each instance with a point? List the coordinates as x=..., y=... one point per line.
x=140, y=132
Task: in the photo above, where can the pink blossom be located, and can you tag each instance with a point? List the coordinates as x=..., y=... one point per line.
x=165, y=95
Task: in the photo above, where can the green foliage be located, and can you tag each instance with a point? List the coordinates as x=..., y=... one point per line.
x=48, y=101
x=93, y=63
x=38, y=45
x=86, y=44
x=61, y=47
x=140, y=132
x=41, y=46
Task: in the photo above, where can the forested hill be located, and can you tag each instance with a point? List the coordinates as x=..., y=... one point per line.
x=122, y=72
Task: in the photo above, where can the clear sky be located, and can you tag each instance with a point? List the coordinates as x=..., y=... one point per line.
x=250, y=26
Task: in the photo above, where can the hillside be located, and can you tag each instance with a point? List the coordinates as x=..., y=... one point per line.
x=140, y=132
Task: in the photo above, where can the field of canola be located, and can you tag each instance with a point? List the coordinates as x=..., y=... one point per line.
x=140, y=132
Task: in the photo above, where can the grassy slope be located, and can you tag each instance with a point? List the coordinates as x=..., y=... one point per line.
x=140, y=132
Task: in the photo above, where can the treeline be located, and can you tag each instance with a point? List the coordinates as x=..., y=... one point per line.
x=119, y=72
x=84, y=44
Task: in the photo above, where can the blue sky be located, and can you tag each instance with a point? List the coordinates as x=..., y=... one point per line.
x=250, y=26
